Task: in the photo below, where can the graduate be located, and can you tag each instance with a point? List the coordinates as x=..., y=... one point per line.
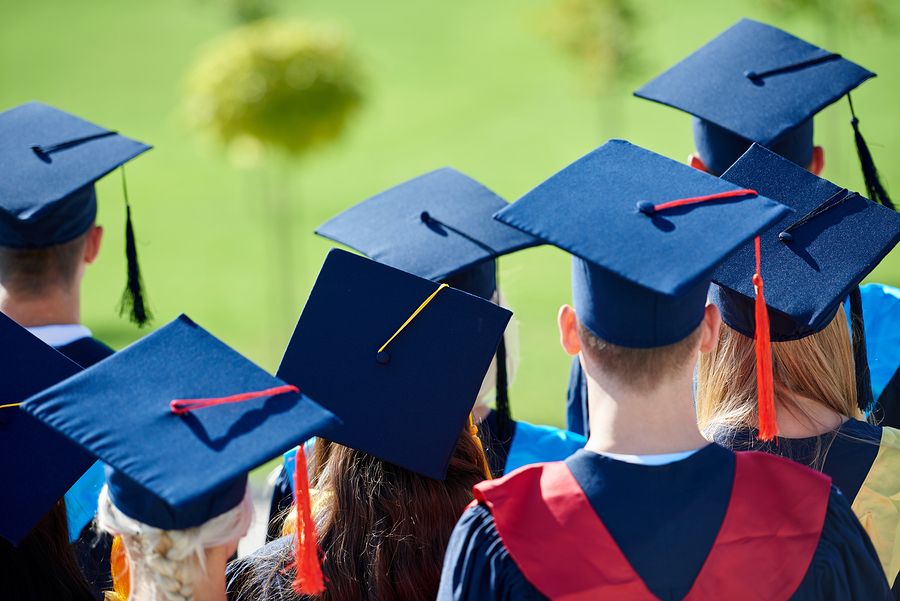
x=757, y=83
x=439, y=226
x=834, y=238
x=36, y=560
x=179, y=418
x=399, y=359
x=48, y=236
x=649, y=509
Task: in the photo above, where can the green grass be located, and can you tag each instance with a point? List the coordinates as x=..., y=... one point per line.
x=470, y=84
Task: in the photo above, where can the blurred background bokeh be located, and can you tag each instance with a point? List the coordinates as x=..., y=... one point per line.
x=261, y=134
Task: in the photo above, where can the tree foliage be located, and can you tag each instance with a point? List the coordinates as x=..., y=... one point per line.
x=599, y=34
x=275, y=85
x=871, y=13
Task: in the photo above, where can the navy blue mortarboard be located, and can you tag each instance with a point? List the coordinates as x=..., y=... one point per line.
x=643, y=256
x=163, y=415
x=437, y=226
x=757, y=83
x=815, y=258
x=50, y=160
x=39, y=464
x=398, y=358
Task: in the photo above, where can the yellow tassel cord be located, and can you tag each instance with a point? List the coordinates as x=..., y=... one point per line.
x=413, y=316
x=10, y=405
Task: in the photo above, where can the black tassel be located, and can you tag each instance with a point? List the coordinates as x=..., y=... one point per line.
x=504, y=417
x=860, y=360
x=874, y=188
x=133, y=296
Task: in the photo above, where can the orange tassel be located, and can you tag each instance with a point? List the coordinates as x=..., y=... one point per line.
x=121, y=578
x=308, y=579
x=765, y=383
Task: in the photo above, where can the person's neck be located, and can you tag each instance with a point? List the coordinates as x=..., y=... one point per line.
x=633, y=421
x=805, y=418
x=52, y=306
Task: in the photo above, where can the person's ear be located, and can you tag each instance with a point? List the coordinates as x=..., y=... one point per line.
x=817, y=163
x=568, y=330
x=709, y=333
x=92, y=246
x=697, y=163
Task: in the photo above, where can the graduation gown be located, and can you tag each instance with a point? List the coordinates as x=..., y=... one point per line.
x=716, y=525
x=92, y=548
x=863, y=461
x=526, y=444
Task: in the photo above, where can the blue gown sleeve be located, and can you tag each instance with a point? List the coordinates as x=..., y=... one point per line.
x=538, y=444
x=845, y=565
x=478, y=567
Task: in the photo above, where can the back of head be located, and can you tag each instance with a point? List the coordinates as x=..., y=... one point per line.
x=817, y=367
x=30, y=272
x=639, y=369
x=166, y=565
x=719, y=148
x=43, y=565
x=383, y=529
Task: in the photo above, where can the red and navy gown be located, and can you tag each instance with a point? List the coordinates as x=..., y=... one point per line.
x=92, y=548
x=862, y=460
x=717, y=525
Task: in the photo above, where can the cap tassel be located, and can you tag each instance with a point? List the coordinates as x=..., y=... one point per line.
x=119, y=571
x=765, y=384
x=308, y=579
x=133, y=296
x=504, y=415
x=864, y=397
x=874, y=187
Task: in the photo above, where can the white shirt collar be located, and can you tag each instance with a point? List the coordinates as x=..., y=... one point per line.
x=661, y=459
x=58, y=335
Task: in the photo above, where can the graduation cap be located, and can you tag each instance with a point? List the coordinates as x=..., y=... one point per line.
x=179, y=418
x=646, y=233
x=815, y=257
x=757, y=83
x=50, y=160
x=398, y=358
x=41, y=465
x=437, y=226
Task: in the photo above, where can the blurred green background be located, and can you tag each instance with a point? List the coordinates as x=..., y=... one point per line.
x=476, y=85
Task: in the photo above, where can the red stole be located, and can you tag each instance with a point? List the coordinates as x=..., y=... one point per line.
x=763, y=549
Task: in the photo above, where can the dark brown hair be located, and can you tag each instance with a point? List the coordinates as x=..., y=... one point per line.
x=640, y=367
x=30, y=271
x=382, y=529
x=43, y=566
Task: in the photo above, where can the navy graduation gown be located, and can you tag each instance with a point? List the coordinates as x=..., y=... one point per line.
x=92, y=548
x=664, y=520
x=86, y=351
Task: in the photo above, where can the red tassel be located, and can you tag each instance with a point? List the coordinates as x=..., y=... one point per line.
x=765, y=383
x=182, y=406
x=308, y=579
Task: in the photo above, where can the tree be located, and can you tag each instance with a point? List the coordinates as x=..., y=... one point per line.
x=270, y=93
x=601, y=35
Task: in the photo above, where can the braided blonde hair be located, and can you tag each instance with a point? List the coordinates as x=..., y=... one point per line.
x=165, y=564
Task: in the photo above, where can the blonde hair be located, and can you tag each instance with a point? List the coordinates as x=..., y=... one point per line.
x=165, y=564
x=818, y=367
